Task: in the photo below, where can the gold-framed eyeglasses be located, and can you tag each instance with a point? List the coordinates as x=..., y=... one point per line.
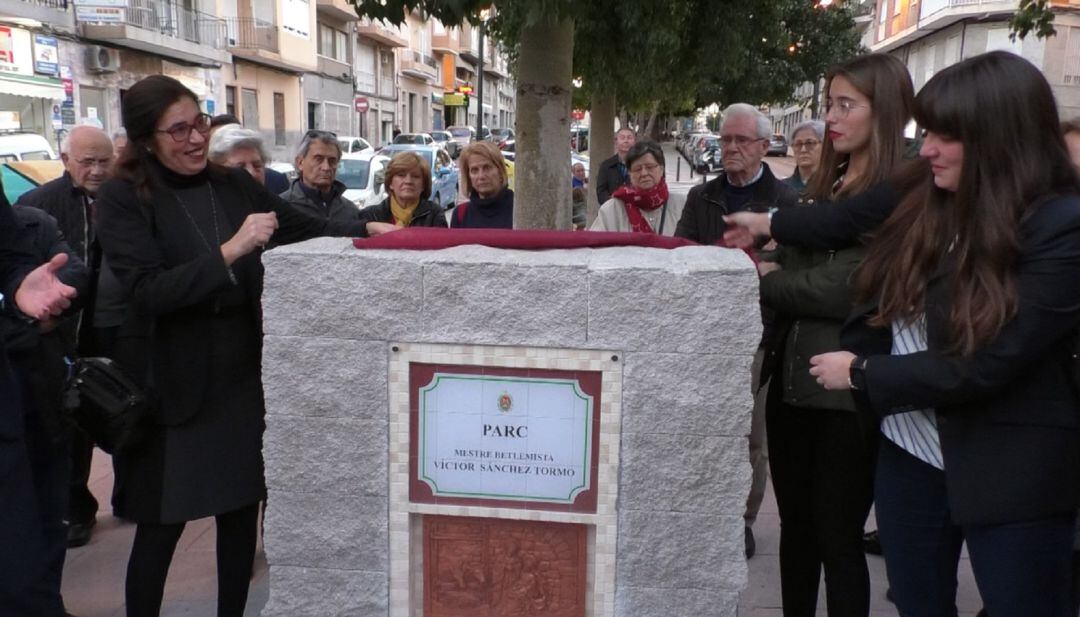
x=842, y=107
x=808, y=144
x=181, y=131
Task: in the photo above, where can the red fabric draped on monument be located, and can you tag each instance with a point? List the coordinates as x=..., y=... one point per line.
x=430, y=238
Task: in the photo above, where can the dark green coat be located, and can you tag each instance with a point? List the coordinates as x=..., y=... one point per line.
x=812, y=297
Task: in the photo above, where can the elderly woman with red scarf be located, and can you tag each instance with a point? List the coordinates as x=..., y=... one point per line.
x=643, y=205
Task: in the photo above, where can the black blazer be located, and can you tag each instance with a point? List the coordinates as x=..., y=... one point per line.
x=608, y=179
x=174, y=282
x=1008, y=415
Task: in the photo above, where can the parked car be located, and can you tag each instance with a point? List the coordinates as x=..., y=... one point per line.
x=363, y=174
x=687, y=142
x=777, y=145
x=446, y=140
x=419, y=139
x=24, y=176
x=25, y=147
x=507, y=149
x=462, y=135
x=579, y=138
x=351, y=145
x=444, y=172
x=501, y=136
x=706, y=154
x=287, y=168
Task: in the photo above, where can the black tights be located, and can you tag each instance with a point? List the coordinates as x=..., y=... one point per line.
x=153, y=550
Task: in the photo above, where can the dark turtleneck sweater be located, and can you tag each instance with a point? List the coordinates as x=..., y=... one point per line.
x=492, y=213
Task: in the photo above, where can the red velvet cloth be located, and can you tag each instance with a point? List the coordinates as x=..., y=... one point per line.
x=433, y=238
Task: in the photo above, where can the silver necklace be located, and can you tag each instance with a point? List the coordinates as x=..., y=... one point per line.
x=213, y=215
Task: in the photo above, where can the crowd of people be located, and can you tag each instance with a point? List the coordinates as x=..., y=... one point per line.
x=919, y=302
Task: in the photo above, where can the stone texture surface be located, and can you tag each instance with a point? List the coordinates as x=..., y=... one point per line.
x=321, y=592
x=675, y=550
x=686, y=393
x=308, y=376
x=330, y=456
x=684, y=473
x=663, y=311
x=671, y=602
x=345, y=532
x=686, y=323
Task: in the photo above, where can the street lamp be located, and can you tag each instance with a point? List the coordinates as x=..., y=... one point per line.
x=484, y=15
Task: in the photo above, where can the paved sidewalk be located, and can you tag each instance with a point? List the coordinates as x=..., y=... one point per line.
x=94, y=574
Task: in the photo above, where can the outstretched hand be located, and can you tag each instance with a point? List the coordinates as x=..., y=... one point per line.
x=41, y=294
x=744, y=228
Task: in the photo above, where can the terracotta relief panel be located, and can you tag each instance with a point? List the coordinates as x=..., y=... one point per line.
x=482, y=567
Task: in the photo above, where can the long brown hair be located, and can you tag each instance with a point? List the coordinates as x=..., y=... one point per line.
x=1002, y=110
x=885, y=81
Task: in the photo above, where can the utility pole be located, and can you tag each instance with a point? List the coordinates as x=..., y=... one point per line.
x=480, y=83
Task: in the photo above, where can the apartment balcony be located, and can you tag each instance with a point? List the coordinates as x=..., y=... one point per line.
x=937, y=14
x=56, y=13
x=419, y=66
x=159, y=27
x=258, y=41
x=335, y=68
x=444, y=43
x=496, y=69
x=379, y=33
x=337, y=9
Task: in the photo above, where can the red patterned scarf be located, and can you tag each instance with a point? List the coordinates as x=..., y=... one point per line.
x=635, y=200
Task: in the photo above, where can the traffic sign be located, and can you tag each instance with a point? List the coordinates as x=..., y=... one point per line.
x=361, y=104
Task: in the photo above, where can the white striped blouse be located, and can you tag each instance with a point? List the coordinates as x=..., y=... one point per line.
x=914, y=431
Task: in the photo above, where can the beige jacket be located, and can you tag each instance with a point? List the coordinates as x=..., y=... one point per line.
x=612, y=216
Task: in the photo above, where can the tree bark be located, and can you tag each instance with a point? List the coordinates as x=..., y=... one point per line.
x=601, y=144
x=651, y=132
x=542, y=198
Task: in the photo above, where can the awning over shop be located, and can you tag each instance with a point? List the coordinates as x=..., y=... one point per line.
x=32, y=87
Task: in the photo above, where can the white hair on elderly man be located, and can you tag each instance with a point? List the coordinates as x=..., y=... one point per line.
x=745, y=110
x=233, y=136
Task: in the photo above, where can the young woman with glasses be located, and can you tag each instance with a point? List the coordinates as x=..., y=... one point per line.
x=644, y=205
x=184, y=238
x=962, y=342
x=821, y=451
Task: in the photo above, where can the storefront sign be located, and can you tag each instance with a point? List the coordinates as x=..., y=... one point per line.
x=100, y=14
x=15, y=51
x=46, y=55
x=453, y=100
x=113, y=3
x=505, y=436
x=57, y=117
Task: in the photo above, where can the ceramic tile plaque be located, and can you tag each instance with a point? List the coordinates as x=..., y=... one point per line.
x=504, y=437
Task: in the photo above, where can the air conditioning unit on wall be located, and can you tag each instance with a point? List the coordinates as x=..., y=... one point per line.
x=101, y=59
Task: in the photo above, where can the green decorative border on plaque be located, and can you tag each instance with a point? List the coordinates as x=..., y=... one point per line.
x=573, y=383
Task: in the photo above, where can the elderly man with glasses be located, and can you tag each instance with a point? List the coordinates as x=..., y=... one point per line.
x=87, y=153
x=746, y=184
x=317, y=191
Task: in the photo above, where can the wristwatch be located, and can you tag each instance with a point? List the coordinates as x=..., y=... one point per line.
x=857, y=373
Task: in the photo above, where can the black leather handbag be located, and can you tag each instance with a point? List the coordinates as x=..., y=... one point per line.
x=106, y=404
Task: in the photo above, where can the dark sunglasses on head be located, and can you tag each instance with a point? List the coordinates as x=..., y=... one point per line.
x=181, y=131
x=319, y=133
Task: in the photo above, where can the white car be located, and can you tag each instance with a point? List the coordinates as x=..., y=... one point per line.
x=352, y=145
x=363, y=176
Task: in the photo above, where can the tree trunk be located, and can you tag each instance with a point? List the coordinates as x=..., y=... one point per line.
x=601, y=144
x=651, y=131
x=542, y=198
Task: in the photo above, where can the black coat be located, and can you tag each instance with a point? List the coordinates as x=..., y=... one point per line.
x=67, y=205
x=203, y=318
x=428, y=214
x=1008, y=415
x=608, y=178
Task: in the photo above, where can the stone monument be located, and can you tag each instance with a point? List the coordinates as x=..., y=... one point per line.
x=491, y=433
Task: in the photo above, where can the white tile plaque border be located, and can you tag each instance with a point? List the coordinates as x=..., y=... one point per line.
x=406, y=550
